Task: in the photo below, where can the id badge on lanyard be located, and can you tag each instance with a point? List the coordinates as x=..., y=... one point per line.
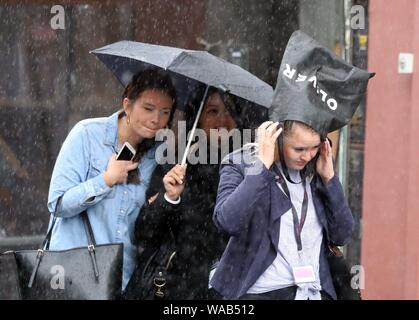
x=302, y=273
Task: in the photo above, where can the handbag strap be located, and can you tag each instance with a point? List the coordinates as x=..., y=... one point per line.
x=45, y=245
x=91, y=242
x=47, y=240
x=87, y=228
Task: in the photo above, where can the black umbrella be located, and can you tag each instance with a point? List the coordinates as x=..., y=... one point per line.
x=188, y=68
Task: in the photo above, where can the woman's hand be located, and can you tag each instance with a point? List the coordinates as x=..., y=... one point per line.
x=268, y=133
x=324, y=165
x=117, y=170
x=174, y=182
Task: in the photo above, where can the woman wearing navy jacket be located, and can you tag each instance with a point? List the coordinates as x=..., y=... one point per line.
x=280, y=200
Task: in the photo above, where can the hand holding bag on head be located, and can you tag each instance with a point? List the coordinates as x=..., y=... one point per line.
x=323, y=91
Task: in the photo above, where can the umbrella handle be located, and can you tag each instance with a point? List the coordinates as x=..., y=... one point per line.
x=188, y=146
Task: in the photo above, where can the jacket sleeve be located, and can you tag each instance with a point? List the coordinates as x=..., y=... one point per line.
x=155, y=221
x=69, y=177
x=339, y=217
x=239, y=193
x=158, y=218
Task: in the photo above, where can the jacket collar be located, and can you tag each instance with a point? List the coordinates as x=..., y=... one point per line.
x=111, y=131
x=280, y=204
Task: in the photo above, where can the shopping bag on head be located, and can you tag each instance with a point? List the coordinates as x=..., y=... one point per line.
x=316, y=87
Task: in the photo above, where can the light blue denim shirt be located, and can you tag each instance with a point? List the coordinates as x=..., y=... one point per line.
x=78, y=174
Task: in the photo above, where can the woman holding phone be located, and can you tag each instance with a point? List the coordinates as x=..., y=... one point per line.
x=88, y=176
x=181, y=202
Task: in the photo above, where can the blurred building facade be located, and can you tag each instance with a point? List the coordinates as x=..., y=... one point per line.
x=390, y=237
x=49, y=81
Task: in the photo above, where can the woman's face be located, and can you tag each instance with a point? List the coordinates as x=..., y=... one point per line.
x=300, y=146
x=149, y=113
x=216, y=116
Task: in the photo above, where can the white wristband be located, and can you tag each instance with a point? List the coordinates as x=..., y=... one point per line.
x=177, y=201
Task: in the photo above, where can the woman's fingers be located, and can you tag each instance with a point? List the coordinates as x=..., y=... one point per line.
x=326, y=149
x=169, y=180
x=330, y=150
x=268, y=129
x=177, y=178
x=264, y=125
x=179, y=170
x=277, y=133
x=132, y=166
x=178, y=173
x=272, y=130
x=272, y=127
x=184, y=167
x=153, y=198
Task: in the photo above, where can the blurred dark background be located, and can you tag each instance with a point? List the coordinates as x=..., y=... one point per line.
x=49, y=81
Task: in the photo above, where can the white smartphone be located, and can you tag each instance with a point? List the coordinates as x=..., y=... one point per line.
x=127, y=152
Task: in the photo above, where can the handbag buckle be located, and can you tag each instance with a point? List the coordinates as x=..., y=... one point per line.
x=91, y=247
x=159, y=282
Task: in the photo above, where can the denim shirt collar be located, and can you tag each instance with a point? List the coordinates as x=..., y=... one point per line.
x=111, y=136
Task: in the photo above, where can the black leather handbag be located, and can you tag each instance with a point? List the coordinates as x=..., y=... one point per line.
x=341, y=274
x=9, y=282
x=91, y=272
x=154, y=278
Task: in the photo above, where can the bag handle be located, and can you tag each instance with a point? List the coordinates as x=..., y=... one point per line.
x=87, y=228
x=91, y=241
x=45, y=245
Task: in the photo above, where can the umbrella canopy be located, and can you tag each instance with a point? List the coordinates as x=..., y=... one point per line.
x=188, y=69
x=126, y=58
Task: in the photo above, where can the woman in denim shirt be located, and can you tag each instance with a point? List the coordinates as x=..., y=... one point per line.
x=88, y=177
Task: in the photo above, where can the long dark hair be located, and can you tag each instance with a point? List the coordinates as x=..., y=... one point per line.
x=149, y=79
x=194, y=102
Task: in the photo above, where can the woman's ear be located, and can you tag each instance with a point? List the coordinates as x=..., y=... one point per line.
x=126, y=104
